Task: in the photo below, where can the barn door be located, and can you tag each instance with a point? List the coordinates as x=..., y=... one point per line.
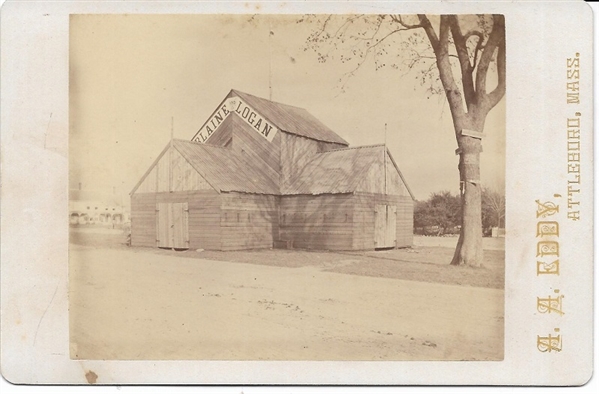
x=391, y=230
x=172, y=225
x=385, y=230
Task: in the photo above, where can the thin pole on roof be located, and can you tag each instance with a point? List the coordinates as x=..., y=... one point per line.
x=385, y=157
x=170, y=157
x=172, y=129
x=270, y=33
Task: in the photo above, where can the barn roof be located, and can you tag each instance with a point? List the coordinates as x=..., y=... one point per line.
x=293, y=120
x=339, y=171
x=226, y=170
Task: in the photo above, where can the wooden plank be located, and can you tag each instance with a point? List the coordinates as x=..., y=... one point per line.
x=328, y=146
x=245, y=138
x=380, y=213
x=184, y=176
x=318, y=199
x=296, y=152
x=222, y=134
x=391, y=226
x=317, y=235
x=178, y=230
x=322, y=244
x=143, y=220
x=204, y=223
x=196, y=219
x=162, y=214
x=238, y=196
x=143, y=207
x=149, y=183
x=472, y=133
x=318, y=208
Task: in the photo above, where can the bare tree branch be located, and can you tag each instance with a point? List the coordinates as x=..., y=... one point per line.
x=371, y=38
x=454, y=96
x=479, y=45
x=346, y=23
x=465, y=66
x=496, y=37
x=498, y=93
x=324, y=26
x=398, y=19
x=368, y=50
x=430, y=32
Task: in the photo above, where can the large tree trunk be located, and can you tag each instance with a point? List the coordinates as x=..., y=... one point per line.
x=469, y=250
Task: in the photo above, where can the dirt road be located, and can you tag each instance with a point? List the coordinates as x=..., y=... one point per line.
x=141, y=305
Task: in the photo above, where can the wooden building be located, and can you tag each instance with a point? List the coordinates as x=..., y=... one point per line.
x=260, y=174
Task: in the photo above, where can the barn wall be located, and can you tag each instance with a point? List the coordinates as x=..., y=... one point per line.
x=204, y=220
x=246, y=138
x=296, y=152
x=317, y=222
x=203, y=217
x=143, y=219
x=328, y=146
x=405, y=222
x=184, y=176
x=248, y=221
x=363, y=226
x=395, y=185
x=375, y=182
x=222, y=134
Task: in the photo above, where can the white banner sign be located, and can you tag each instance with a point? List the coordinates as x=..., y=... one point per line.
x=245, y=112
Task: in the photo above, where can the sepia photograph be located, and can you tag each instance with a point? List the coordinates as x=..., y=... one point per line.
x=287, y=187
x=297, y=193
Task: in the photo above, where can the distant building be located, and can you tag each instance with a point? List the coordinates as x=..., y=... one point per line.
x=260, y=174
x=95, y=207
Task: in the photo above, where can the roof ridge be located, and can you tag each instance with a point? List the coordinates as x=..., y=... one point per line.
x=353, y=147
x=265, y=99
x=200, y=143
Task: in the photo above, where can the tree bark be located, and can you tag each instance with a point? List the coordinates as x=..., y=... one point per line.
x=469, y=250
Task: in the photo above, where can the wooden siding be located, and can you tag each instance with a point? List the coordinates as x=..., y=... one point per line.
x=248, y=221
x=296, y=152
x=204, y=220
x=149, y=183
x=184, y=176
x=172, y=225
x=291, y=119
x=379, y=181
x=364, y=219
x=203, y=217
x=405, y=222
x=327, y=146
x=228, y=170
x=249, y=143
x=143, y=219
x=385, y=230
x=223, y=133
x=323, y=222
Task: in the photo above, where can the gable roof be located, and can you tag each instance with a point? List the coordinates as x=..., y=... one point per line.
x=293, y=120
x=339, y=171
x=222, y=168
x=331, y=172
x=225, y=169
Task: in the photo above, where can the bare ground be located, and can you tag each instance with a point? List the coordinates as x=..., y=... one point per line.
x=419, y=263
x=143, y=303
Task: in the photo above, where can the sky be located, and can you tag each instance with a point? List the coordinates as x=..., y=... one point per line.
x=130, y=74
